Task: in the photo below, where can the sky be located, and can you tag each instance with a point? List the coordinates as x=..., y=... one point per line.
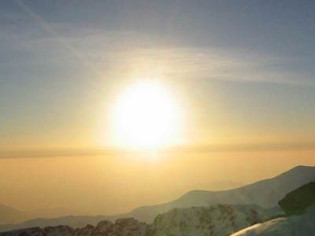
x=241, y=73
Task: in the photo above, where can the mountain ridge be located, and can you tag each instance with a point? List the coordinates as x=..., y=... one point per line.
x=299, y=167
x=296, y=177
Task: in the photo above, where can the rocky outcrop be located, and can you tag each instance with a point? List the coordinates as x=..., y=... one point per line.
x=297, y=201
x=217, y=220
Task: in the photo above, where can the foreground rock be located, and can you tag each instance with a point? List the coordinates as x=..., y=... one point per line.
x=297, y=201
x=302, y=225
x=299, y=206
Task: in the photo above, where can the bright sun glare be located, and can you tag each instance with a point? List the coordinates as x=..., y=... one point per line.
x=145, y=116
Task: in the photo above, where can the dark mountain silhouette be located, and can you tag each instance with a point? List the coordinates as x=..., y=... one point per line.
x=297, y=201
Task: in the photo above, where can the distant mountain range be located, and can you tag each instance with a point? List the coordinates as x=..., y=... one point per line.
x=218, y=220
x=265, y=193
x=297, y=218
x=9, y=214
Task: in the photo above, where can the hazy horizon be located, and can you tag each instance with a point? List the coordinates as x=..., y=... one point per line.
x=100, y=184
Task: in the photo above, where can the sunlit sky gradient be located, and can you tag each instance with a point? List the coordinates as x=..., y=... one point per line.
x=242, y=73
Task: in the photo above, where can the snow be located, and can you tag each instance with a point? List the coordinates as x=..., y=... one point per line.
x=302, y=225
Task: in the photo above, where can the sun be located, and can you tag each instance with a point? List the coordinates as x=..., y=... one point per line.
x=145, y=116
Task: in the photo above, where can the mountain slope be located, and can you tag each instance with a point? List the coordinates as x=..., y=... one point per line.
x=9, y=215
x=265, y=193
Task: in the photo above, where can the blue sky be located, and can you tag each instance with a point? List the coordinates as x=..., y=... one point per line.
x=62, y=61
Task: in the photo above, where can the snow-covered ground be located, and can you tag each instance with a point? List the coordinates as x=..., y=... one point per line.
x=302, y=225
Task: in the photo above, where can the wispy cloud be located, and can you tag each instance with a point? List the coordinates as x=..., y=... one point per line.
x=174, y=62
x=57, y=153
x=107, y=53
x=130, y=53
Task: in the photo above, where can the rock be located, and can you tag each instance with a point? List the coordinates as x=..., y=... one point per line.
x=218, y=220
x=297, y=201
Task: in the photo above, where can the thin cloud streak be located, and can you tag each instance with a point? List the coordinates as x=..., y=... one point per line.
x=57, y=153
x=62, y=40
x=123, y=52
